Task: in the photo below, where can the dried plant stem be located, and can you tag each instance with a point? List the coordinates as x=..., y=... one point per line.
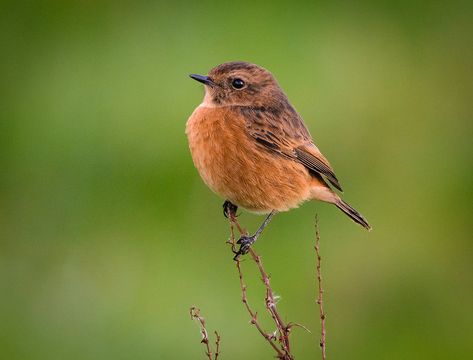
x=320, y=297
x=195, y=315
x=281, y=343
x=271, y=304
x=217, y=345
x=234, y=221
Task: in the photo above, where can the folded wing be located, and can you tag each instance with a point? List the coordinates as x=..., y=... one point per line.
x=285, y=133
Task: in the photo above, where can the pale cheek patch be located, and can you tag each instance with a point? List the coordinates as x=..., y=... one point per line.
x=207, y=102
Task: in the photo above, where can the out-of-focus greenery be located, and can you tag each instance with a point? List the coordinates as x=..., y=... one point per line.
x=108, y=235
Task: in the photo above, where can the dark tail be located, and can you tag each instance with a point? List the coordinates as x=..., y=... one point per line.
x=353, y=214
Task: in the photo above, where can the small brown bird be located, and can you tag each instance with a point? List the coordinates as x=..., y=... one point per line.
x=252, y=148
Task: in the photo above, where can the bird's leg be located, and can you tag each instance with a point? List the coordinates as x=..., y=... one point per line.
x=229, y=209
x=246, y=241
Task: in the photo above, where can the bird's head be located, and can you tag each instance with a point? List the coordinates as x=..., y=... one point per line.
x=240, y=84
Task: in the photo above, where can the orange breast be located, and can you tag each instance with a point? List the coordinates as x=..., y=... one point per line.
x=234, y=166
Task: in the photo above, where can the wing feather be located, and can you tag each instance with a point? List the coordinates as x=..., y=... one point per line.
x=284, y=132
x=317, y=163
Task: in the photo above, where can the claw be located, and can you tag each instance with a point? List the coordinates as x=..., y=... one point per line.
x=245, y=244
x=229, y=209
x=246, y=240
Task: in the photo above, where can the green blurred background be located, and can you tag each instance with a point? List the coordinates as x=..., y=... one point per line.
x=108, y=235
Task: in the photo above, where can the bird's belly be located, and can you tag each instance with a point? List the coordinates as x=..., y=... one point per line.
x=234, y=166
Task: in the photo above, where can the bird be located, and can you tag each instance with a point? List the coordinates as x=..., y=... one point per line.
x=252, y=148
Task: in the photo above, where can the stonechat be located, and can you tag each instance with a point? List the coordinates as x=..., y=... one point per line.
x=253, y=149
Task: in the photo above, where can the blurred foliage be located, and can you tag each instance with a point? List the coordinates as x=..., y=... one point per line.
x=108, y=236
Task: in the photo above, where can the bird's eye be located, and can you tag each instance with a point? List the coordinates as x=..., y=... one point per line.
x=238, y=84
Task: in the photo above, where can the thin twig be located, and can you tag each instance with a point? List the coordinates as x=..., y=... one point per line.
x=195, y=315
x=283, y=351
x=234, y=221
x=217, y=345
x=320, y=297
x=253, y=314
x=271, y=304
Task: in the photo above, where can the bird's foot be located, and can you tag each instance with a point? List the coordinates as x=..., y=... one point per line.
x=229, y=209
x=245, y=244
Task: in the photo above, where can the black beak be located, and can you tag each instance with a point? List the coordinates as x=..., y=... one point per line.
x=203, y=79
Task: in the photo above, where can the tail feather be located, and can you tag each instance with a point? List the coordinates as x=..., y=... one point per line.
x=353, y=214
